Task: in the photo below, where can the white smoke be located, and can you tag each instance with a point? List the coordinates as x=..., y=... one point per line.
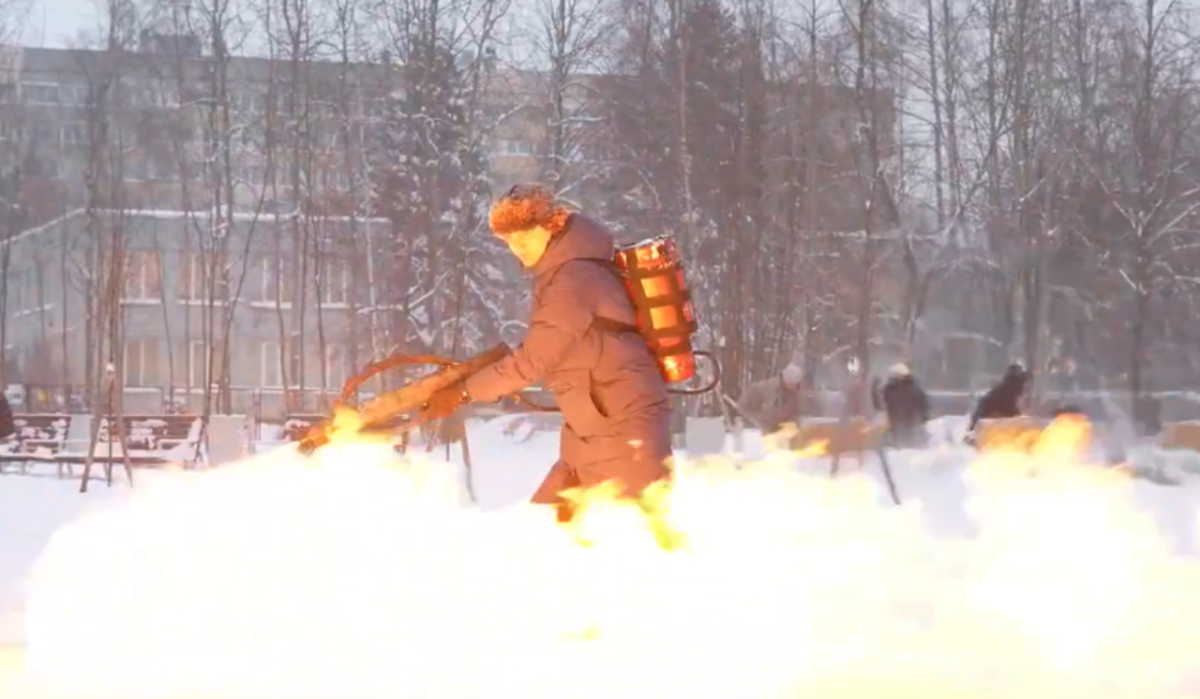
x=346, y=576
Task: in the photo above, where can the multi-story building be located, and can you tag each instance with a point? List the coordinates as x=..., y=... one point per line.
x=133, y=140
x=153, y=128
x=182, y=323
x=94, y=142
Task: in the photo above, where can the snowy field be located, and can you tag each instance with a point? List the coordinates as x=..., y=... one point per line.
x=985, y=582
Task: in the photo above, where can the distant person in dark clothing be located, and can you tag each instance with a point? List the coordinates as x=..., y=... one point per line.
x=906, y=405
x=1004, y=399
x=8, y=426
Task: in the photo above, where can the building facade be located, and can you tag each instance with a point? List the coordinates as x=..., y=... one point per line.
x=155, y=151
x=155, y=128
x=228, y=322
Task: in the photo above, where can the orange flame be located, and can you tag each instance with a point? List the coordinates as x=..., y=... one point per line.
x=272, y=579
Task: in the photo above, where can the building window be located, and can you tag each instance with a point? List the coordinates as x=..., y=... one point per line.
x=273, y=355
x=134, y=169
x=198, y=359
x=248, y=173
x=43, y=166
x=141, y=363
x=142, y=280
x=335, y=365
x=506, y=146
x=270, y=372
x=295, y=350
x=40, y=93
x=194, y=282
x=73, y=133
x=334, y=179
x=19, y=288
x=74, y=94
x=276, y=287
x=335, y=282
x=245, y=101
x=168, y=96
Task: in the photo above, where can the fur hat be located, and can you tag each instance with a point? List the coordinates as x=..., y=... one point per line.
x=792, y=374
x=527, y=206
x=900, y=370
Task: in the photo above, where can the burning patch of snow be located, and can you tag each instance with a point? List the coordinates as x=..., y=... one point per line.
x=353, y=574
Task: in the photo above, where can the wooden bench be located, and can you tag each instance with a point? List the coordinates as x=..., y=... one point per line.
x=152, y=440
x=40, y=438
x=1181, y=435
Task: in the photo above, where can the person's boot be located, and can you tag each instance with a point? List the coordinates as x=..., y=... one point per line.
x=566, y=511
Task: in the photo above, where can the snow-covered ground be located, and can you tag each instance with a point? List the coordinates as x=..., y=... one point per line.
x=936, y=485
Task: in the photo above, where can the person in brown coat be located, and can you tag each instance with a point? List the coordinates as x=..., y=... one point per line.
x=774, y=402
x=584, y=346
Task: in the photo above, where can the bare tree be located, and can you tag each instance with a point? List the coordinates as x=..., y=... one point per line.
x=355, y=92
x=1151, y=181
x=571, y=40
x=213, y=140
x=106, y=274
x=867, y=24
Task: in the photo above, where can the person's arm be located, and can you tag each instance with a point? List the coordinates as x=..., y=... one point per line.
x=560, y=319
x=979, y=410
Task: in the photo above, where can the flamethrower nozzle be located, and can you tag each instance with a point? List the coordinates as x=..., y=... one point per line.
x=316, y=437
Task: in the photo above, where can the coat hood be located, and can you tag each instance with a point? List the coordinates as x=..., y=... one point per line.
x=581, y=239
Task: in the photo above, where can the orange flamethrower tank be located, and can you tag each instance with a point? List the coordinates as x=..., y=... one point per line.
x=654, y=278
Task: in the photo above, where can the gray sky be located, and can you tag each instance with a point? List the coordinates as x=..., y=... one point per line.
x=57, y=23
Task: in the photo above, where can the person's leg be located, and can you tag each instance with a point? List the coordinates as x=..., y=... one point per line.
x=635, y=463
x=561, y=477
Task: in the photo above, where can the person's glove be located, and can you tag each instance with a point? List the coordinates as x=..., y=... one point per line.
x=446, y=401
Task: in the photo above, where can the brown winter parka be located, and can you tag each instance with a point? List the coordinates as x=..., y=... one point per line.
x=613, y=399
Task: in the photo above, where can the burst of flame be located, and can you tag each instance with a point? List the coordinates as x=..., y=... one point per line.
x=355, y=579
x=11, y=666
x=818, y=447
x=781, y=439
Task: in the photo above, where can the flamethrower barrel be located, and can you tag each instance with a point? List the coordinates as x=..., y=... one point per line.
x=386, y=408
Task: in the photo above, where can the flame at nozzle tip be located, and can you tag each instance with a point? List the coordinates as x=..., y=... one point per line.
x=344, y=428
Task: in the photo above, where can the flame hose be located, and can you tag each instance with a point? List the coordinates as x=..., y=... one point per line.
x=716, y=377
x=398, y=360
